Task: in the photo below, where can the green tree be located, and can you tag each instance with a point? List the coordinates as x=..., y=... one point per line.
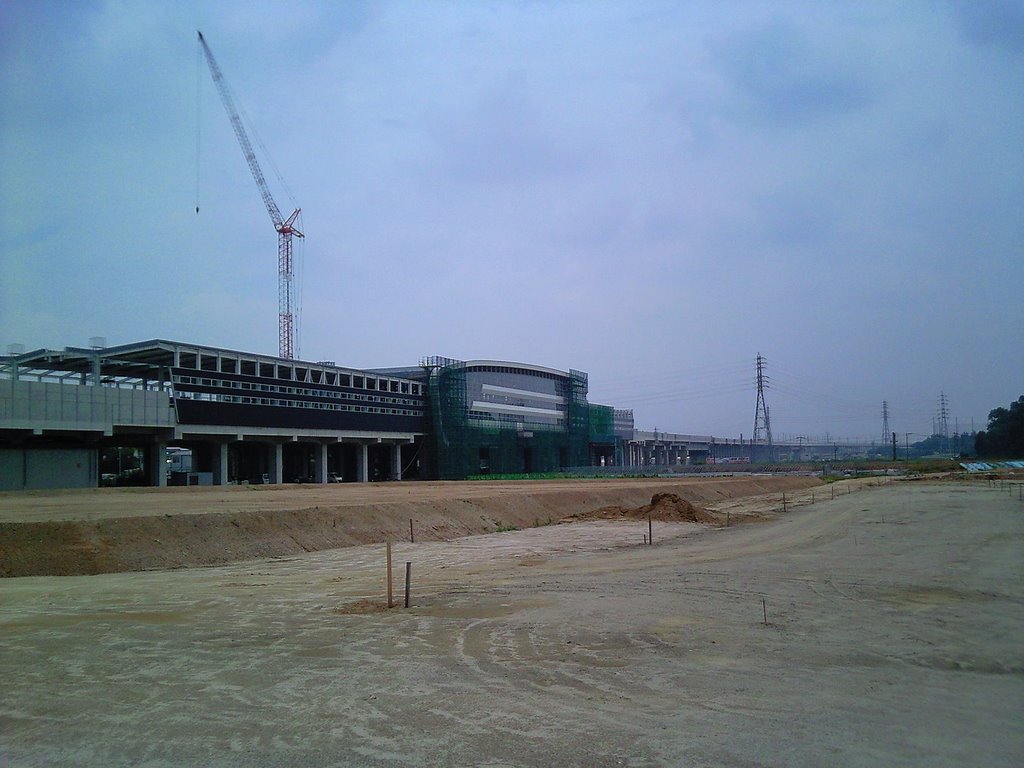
x=1004, y=437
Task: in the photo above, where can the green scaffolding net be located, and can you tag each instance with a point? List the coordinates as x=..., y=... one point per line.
x=461, y=447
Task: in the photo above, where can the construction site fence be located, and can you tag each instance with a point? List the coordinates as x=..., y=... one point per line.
x=713, y=470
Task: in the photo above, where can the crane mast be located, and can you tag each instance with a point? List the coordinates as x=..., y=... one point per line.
x=285, y=227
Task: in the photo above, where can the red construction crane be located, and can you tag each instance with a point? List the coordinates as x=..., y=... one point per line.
x=287, y=330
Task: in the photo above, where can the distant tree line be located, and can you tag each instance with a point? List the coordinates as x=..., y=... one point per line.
x=962, y=444
x=1004, y=438
x=958, y=444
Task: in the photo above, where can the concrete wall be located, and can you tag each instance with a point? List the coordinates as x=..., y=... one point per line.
x=46, y=405
x=45, y=468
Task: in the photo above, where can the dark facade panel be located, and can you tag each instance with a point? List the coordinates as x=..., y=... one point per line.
x=241, y=415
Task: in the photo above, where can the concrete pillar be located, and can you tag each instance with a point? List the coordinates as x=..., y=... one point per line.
x=396, y=461
x=220, y=464
x=362, y=463
x=157, y=469
x=320, y=463
x=277, y=464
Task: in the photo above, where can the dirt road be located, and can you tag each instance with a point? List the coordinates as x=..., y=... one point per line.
x=894, y=618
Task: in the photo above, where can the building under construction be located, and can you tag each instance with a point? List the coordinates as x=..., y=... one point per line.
x=493, y=417
x=248, y=418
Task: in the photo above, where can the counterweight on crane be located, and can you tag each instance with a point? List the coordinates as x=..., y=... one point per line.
x=285, y=227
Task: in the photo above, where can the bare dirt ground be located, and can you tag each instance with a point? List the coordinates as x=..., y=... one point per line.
x=893, y=637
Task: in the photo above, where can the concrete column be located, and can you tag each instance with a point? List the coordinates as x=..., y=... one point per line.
x=277, y=463
x=362, y=463
x=220, y=464
x=320, y=464
x=396, y=461
x=157, y=469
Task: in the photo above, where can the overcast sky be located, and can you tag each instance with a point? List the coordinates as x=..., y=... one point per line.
x=652, y=192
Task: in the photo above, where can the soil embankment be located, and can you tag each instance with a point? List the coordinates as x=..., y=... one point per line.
x=115, y=530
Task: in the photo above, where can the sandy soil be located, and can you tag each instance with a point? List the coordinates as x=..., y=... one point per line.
x=894, y=618
x=61, y=533
x=107, y=503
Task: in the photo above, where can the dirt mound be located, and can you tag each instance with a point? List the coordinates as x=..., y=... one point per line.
x=667, y=507
x=107, y=530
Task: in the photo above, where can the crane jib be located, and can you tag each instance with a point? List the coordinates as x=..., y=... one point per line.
x=284, y=227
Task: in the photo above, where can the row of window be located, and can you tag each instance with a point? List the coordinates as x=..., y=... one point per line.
x=215, y=364
x=519, y=402
x=530, y=373
x=319, y=406
x=285, y=390
x=512, y=419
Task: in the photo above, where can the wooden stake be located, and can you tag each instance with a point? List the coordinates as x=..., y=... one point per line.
x=764, y=609
x=391, y=601
x=783, y=502
x=727, y=518
x=412, y=539
x=408, y=581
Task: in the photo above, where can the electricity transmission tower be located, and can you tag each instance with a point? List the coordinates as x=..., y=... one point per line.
x=885, y=422
x=944, y=420
x=762, y=422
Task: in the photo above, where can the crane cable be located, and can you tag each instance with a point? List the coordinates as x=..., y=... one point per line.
x=199, y=115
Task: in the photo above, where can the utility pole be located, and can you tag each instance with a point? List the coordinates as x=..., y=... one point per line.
x=762, y=421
